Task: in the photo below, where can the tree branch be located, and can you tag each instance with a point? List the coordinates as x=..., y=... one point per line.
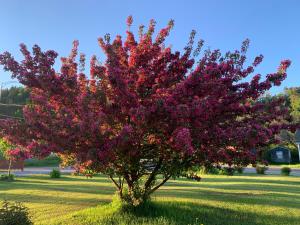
x=152, y=175
x=113, y=180
x=121, y=187
x=161, y=184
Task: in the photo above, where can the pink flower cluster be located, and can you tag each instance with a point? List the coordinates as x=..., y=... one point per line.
x=17, y=154
x=182, y=140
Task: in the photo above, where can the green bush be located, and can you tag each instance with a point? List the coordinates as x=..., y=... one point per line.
x=285, y=171
x=55, y=173
x=261, y=169
x=229, y=171
x=239, y=169
x=1, y=155
x=193, y=176
x=209, y=170
x=6, y=177
x=14, y=214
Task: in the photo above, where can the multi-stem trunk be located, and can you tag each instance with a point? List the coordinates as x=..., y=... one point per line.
x=134, y=193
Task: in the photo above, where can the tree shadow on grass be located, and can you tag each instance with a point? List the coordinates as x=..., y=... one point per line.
x=67, y=177
x=215, y=215
x=65, y=200
x=65, y=184
x=244, y=185
x=172, y=213
x=263, y=199
x=30, y=181
x=63, y=188
x=254, y=179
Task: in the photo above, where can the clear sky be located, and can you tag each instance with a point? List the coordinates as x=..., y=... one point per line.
x=273, y=26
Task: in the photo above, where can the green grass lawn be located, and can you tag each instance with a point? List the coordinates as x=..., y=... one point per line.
x=217, y=200
x=50, y=161
x=292, y=165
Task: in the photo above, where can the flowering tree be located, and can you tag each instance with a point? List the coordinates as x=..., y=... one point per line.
x=146, y=111
x=10, y=153
x=4, y=153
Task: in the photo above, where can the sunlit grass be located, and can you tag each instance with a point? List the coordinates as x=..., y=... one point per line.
x=237, y=200
x=292, y=165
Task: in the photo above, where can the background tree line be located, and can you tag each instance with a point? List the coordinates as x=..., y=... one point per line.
x=11, y=101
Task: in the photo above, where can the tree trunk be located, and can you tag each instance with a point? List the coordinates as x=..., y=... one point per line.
x=137, y=194
x=9, y=167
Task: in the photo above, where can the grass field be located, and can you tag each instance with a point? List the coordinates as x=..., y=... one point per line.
x=50, y=161
x=291, y=165
x=217, y=200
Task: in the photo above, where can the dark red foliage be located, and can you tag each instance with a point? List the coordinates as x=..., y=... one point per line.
x=147, y=109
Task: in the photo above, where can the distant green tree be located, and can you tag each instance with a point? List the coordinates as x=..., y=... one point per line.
x=11, y=101
x=16, y=95
x=293, y=95
x=4, y=148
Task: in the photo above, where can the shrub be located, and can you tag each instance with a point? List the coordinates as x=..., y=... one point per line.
x=55, y=173
x=229, y=171
x=285, y=171
x=193, y=176
x=261, y=169
x=209, y=170
x=1, y=155
x=239, y=169
x=14, y=214
x=7, y=177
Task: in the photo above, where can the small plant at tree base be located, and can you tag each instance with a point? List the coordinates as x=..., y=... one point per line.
x=55, y=173
x=261, y=169
x=7, y=177
x=147, y=111
x=14, y=214
x=286, y=171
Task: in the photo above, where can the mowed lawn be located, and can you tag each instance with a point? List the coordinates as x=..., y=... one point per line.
x=216, y=200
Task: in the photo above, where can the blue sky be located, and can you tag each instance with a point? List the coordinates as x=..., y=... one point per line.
x=273, y=26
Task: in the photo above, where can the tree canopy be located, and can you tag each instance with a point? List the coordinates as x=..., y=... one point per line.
x=147, y=110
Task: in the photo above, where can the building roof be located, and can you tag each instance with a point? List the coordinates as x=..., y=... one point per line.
x=280, y=148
